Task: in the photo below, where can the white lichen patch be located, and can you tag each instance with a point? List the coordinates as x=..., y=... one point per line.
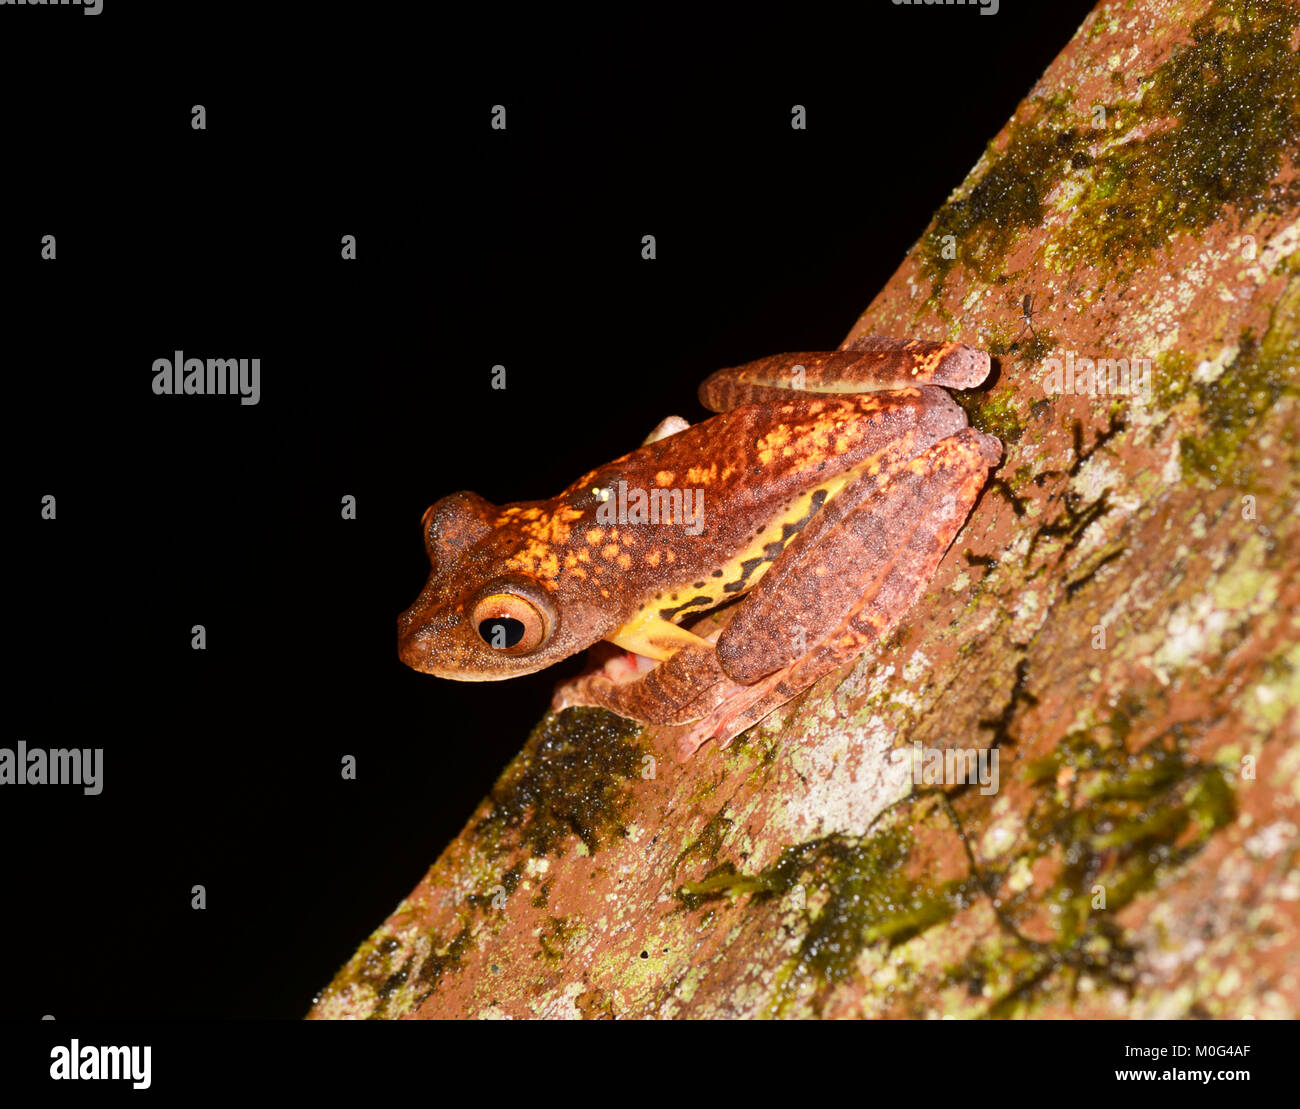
x=844, y=781
x=1001, y=836
x=1098, y=476
x=1192, y=630
x=563, y=1006
x=1280, y=247
x=1018, y=548
x=1212, y=369
x=1272, y=839
x=1028, y=617
x=1171, y=472
x=1020, y=877
x=868, y=679
x=1027, y=605
x=916, y=667
x=1271, y=701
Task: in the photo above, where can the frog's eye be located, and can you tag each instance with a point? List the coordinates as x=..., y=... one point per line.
x=509, y=622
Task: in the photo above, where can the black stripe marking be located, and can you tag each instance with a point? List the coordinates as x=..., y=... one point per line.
x=694, y=602
x=773, y=549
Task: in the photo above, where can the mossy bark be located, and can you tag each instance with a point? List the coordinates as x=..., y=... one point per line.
x=1119, y=620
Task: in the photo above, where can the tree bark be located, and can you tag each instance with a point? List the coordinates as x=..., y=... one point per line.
x=1119, y=622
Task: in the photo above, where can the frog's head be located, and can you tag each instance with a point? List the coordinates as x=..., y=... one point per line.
x=482, y=616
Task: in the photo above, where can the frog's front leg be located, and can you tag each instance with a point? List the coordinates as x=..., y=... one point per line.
x=688, y=686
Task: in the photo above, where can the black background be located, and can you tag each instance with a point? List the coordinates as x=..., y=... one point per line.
x=475, y=247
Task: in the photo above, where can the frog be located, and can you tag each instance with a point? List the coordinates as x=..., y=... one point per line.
x=723, y=567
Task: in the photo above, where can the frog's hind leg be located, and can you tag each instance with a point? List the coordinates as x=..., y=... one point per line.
x=846, y=553
x=877, y=364
x=857, y=579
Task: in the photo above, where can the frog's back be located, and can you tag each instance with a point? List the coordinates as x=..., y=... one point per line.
x=695, y=519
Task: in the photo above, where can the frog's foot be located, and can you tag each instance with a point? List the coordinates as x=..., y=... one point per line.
x=741, y=708
x=647, y=691
x=747, y=705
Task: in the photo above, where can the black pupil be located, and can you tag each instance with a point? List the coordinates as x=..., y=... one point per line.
x=501, y=631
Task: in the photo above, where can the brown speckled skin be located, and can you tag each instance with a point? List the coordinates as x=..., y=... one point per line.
x=896, y=448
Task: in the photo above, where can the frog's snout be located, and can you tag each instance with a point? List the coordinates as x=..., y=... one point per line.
x=414, y=637
x=413, y=643
x=420, y=630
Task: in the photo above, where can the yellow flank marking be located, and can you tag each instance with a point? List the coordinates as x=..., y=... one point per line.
x=648, y=635
x=664, y=478
x=610, y=551
x=595, y=537
x=647, y=632
x=624, y=562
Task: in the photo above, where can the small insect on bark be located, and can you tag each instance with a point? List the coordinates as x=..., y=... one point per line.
x=1027, y=316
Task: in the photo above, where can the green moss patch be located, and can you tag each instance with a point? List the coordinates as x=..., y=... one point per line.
x=1235, y=403
x=1218, y=120
x=570, y=779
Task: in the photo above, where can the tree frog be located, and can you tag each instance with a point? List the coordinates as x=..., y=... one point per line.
x=730, y=564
